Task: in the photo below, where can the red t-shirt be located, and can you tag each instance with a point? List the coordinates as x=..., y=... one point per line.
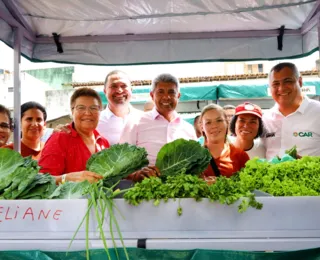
x=26, y=151
x=230, y=161
x=66, y=152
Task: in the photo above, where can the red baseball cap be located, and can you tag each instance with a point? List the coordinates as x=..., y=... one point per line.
x=248, y=108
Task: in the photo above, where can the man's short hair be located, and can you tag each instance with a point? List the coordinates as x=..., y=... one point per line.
x=167, y=78
x=283, y=65
x=227, y=107
x=113, y=73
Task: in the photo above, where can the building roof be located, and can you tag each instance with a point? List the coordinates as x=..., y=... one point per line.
x=191, y=79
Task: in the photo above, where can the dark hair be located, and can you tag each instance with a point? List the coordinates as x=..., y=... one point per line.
x=113, y=73
x=283, y=65
x=30, y=105
x=85, y=92
x=196, y=118
x=6, y=111
x=233, y=126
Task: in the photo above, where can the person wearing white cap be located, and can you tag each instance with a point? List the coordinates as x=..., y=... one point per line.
x=246, y=127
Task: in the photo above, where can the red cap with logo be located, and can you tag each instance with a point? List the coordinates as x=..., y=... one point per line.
x=248, y=108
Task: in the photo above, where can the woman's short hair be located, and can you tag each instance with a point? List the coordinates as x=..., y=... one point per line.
x=32, y=104
x=85, y=92
x=233, y=126
x=6, y=111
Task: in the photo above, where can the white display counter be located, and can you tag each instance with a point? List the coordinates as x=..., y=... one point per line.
x=284, y=223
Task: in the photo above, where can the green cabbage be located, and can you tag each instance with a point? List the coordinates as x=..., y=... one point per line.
x=183, y=156
x=117, y=162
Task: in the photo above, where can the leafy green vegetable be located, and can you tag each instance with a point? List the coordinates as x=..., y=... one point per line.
x=41, y=187
x=182, y=156
x=226, y=191
x=71, y=190
x=291, y=178
x=117, y=162
x=9, y=161
x=292, y=152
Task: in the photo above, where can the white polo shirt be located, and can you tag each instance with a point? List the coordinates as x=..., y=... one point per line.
x=301, y=128
x=111, y=126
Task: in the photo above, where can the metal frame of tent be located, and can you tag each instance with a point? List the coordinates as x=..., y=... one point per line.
x=174, y=46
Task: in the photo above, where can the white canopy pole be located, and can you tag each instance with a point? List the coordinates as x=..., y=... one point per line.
x=17, y=88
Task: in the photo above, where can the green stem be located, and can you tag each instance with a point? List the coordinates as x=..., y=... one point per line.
x=100, y=224
x=87, y=233
x=75, y=233
x=117, y=227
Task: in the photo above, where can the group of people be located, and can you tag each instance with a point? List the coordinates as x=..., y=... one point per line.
x=232, y=137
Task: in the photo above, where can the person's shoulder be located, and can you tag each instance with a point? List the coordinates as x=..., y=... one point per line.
x=314, y=103
x=9, y=146
x=236, y=150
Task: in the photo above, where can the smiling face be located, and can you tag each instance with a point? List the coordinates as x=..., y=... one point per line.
x=85, y=113
x=118, y=89
x=285, y=88
x=214, y=125
x=165, y=97
x=32, y=124
x=247, y=126
x=5, y=130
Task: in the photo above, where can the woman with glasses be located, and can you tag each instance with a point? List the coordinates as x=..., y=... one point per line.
x=5, y=125
x=66, y=153
x=33, y=124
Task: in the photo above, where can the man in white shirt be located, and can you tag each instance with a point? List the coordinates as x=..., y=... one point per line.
x=293, y=119
x=118, y=90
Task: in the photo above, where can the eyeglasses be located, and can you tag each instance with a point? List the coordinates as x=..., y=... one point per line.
x=4, y=126
x=82, y=109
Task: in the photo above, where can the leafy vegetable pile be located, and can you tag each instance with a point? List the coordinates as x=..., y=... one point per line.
x=19, y=178
x=180, y=163
x=226, y=191
x=292, y=178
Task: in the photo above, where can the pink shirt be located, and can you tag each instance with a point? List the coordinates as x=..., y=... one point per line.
x=152, y=131
x=110, y=126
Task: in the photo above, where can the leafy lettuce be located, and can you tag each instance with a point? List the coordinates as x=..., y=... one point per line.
x=182, y=156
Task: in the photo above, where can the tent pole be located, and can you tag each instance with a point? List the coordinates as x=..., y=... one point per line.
x=17, y=88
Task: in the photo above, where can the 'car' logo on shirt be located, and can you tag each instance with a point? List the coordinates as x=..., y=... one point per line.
x=302, y=134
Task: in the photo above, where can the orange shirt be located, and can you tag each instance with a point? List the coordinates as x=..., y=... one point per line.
x=26, y=151
x=230, y=161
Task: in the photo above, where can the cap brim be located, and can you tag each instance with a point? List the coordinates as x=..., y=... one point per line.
x=248, y=112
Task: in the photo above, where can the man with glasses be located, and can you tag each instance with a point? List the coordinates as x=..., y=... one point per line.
x=293, y=119
x=5, y=125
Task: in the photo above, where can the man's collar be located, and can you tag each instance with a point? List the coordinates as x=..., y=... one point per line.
x=108, y=112
x=155, y=114
x=301, y=109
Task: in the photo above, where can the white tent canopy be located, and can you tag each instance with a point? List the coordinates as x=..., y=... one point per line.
x=153, y=31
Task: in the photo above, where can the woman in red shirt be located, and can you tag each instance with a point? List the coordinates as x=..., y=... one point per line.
x=65, y=154
x=226, y=158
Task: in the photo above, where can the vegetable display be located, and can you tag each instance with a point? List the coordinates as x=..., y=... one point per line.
x=19, y=178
